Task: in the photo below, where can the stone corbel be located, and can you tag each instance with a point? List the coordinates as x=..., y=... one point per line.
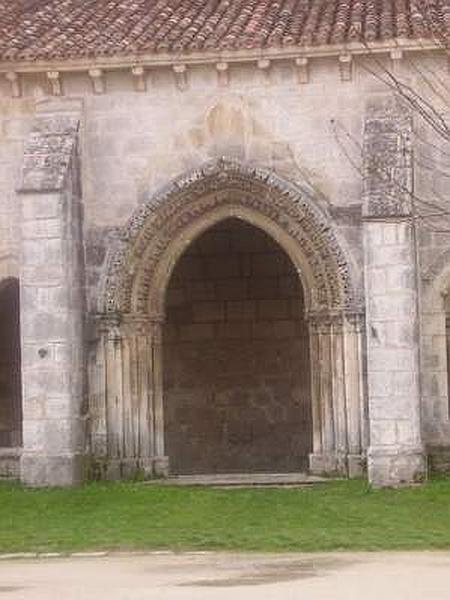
x=264, y=65
x=14, y=82
x=396, y=57
x=140, y=84
x=55, y=82
x=302, y=68
x=181, y=76
x=346, y=67
x=98, y=80
x=223, y=74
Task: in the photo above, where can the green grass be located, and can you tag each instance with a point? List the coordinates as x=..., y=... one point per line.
x=340, y=515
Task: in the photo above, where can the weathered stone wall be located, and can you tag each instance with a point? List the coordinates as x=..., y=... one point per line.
x=236, y=376
x=52, y=305
x=138, y=133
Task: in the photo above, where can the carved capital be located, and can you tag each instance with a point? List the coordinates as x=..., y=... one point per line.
x=142, y=324
x=326, y=322
x=108, y=326
x=356, y=321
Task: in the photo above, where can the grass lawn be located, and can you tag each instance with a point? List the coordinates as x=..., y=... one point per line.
x=341, y=515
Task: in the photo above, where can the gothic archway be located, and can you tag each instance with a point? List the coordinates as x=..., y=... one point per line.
x=236, y=381
x=127, y=406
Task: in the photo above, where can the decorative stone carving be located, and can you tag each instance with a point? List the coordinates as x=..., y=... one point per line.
x=52, y=331
x=48, y=152
x=55, y=82
x=224, y=183
x=387, y=159
x=131, y=325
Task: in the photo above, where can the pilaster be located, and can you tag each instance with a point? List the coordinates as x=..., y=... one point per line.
x=337, y=394
x=51, y=274
x=396, y=454
x=127, y=420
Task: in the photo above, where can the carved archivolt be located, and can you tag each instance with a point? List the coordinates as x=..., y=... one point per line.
x=139, y=268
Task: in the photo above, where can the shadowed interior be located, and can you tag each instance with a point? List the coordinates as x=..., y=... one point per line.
x=236, y=358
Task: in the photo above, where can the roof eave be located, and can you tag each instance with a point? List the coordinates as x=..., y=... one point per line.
x=119, y=61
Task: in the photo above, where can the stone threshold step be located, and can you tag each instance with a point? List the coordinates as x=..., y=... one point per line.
x=233, y=480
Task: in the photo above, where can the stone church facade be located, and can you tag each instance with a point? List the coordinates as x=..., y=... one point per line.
x=195, y=275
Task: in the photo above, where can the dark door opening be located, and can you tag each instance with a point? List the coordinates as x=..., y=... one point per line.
x=236, y=357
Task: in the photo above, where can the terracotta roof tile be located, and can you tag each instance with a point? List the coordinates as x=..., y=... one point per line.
x=58, y=29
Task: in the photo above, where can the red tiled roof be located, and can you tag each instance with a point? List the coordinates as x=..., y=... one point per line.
x=56, y=29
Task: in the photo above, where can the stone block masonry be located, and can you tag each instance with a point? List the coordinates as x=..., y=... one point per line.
x=396, y=453
x=51, y=279
x=237, y=378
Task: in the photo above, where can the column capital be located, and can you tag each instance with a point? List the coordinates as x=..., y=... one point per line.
x=122, y=325
x=324, y=321
x=356, y=320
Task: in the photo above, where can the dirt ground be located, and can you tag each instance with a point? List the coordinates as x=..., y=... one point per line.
x=217, y=576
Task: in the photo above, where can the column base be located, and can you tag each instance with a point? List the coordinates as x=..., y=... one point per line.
x=396, y=467
x=337, y=465
x=39, y=470
x=330, y=465
x=116, y=469
x=439, y=459
x=161, y=466
x=356, y=465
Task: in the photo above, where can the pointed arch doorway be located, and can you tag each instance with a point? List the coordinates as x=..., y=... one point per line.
x=236, y=385
x=149, y=370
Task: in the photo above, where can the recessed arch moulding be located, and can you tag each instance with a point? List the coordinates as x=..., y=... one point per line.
x=127, y=421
